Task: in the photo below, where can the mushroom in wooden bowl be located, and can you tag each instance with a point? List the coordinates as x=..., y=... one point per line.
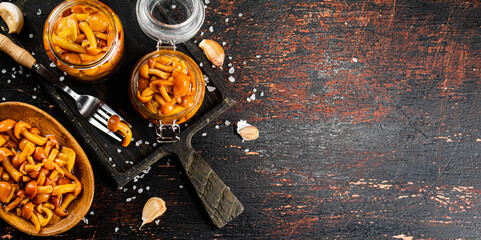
x=46, y=180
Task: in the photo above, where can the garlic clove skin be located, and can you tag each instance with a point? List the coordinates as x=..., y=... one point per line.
x=12, y=15
x=153, y=208
x=247, y=131
x=213, y=51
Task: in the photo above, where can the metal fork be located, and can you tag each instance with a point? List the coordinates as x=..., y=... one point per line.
x=91, y=108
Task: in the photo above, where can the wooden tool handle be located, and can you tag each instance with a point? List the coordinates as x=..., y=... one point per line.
x=219, y=201
x=18, y=54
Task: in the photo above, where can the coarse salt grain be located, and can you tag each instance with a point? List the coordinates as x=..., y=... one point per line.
x=116, y=229
x=30, y=35
x=128, y=199
x=4, y=71
x=230, y=57
x=146, y=143
x=258, y=56
x=151, y=124
x=181, y=186
x=91, y=212
x=217, y=127
x=33, y=54
x=113, y=165
x=262, y=94
x=202, y=34
x=207, y=1
x=62, y=78
x=253, y=97
x=204, y=134
x=231, y=70
x=224, y=43
x=34, y=97
x=134, y=187
x=227, y=122
x=229, y=65
x=231, y=79
x=254, y=90
x=213, y=66
x=110, y=159
x=39, y=12
x=246, y=150
x=211, y=88
x=157, y=222
x=85, y=220
x=248, y=99
x=211, y=29
x=4, y=99
x=354, y=60
x=201, y=64
x=227, y=20
x=141, y=190
x=147, y=188
x=9, y=81
x=134, y=197
x=240, y=14
x=118, y=150
x=13, y=76
x=174, y=6
x=52, y=64
x=154, y=144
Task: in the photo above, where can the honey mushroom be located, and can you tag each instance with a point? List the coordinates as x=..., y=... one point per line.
x=37, y=177
x=114, y=124
x=166, y=86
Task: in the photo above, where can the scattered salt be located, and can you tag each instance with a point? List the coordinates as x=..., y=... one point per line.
x=151, y=124
x=254, y=90
x=52, y=64
x=174, y=6
x=211, y=29
x=4, y=71
x=206, y=78
x=181, y=186
x=240, y=14
x=253, y=97
x=354, y=60
x=134, y=187
x=134, y=197
x=229, y=65
x=211, y=88
x=258, y=56
x=230, y=57
x=85, y=220
x=39, y=12
x=33, y=54
x=128, y=199
x=141, y=190
x=62, y=78
x=118, y=150
x=91, y=212
x=204, y=134
x=227, y=20
x=116, y=229
x=34, y=97
x=4, y=99
x=110, y=159
x=217, y=127
x=30, y=35
x=246, y=150
x=227, y=122
x=157, y=222
x=224, y=43
x=147, y=188
x=125, y=189
x=13, y=76
x=9, y=81
x=248, y=99
x=201, y=64
x=262, y=94
x=202, y=34
x=213, y=66
x=13, y=69
x=231, y=79
x=154, y=144
x=207, y=1
x=146, y=143
x=231, y=70
x=136, y=180
x=113, y=165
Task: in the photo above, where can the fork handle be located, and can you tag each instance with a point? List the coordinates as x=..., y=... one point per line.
x=19, y=54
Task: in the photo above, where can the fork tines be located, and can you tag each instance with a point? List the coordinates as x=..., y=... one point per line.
x=100, y=120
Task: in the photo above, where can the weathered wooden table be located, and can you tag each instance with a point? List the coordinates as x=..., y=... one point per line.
x=368, y=114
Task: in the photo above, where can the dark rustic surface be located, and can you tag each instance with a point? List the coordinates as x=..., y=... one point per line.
x=368, y=115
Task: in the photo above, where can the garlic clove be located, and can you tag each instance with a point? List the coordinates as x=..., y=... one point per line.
x=247, y=131
x=153, y=208
x=213, y=51
x=12, y=15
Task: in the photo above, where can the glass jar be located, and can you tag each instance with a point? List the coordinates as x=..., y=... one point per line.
x=170, y=20
x=151, y=104
x=85, y=39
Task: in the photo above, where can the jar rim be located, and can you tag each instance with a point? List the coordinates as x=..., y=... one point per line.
x=199, y=92
x=56, y=13
x=177, y=32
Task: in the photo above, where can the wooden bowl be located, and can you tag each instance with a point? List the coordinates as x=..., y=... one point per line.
x=49, y=126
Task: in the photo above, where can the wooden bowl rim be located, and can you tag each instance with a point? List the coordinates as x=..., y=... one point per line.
x=89, y=199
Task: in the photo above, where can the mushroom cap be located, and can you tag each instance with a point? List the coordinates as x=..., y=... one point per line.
x=19, y=127
x=31, y=189
x=113, y=124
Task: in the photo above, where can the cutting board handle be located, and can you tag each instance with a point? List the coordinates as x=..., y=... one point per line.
x=219, y=201
x=18, y=54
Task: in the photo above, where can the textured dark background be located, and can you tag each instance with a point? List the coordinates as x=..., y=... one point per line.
x=368, y=115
